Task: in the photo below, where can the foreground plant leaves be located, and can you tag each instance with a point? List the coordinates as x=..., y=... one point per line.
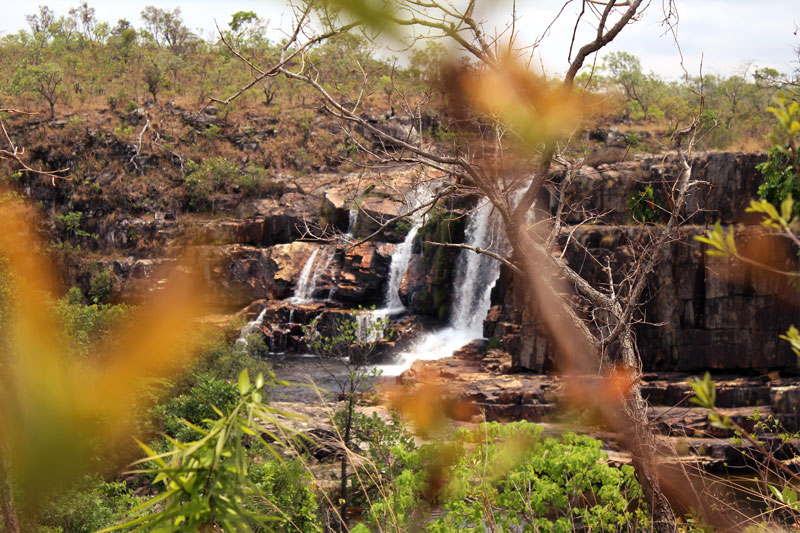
x=58, y=413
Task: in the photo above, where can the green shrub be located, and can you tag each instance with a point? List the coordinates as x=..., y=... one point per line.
x=69, y=224
x=526, y=481
x=100, y=286
x=222, y=360
x=285, y=492
x=213, y=175
x=780, y=178
x=196, y=406
x=91, y=505
x=633, y=139
x=88, y=325
x=254, y=181
x=205, y=483
x=123, y=131
x=644, y=207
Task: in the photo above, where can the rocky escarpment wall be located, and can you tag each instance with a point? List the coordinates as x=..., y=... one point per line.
x=699, y=312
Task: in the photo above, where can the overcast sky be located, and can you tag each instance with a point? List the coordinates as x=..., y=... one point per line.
x=727, y=33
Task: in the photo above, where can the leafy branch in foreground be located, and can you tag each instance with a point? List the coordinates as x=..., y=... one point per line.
x=793, y=336
x=206, y=480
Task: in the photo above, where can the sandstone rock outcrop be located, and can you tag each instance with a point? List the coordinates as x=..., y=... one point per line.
x=699, y=312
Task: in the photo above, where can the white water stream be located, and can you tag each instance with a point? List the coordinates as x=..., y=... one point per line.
x=368, y=329
x=475, y=278
x=248, y=329
x=305, y=288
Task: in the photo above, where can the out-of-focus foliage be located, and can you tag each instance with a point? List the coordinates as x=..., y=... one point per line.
x=793, y=336
x=719, y=242
x=781, y=220
x=62, y=414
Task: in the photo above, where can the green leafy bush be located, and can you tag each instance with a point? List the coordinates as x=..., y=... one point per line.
x=86, y=507
x=780, y=178
x=219, y=175
x=87, y=325
x=101, y=286
x=643, y=206
x=254, y=181
x=205, y=481
x=510, y=476
x=285, y=488
x=196, y=406
x=223, y=360
x=212, y=175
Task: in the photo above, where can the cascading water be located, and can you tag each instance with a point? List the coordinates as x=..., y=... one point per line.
x=477, y=273
x=327, y=257
x=397, y=269
x=309, y=276
x=402, y=256
x=305, y=288
x=368, y=329
x=351, y=224
x=475, y=279
x=249, y=329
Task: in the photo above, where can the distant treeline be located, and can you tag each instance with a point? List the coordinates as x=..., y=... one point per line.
x=70, y=62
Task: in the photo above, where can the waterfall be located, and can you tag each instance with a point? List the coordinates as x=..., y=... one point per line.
x=402, y=256
x=309, y=276
x=367, y=321
x=305, y=289
x=249, y=329
x=318, y=272
x=477, y=273
x=397, y=269
x=475, y=278
x=351, y=224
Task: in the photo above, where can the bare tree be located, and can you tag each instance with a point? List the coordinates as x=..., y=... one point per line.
x=497, y=105
x=16, y=154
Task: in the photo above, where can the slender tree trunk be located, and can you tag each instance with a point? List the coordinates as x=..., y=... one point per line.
x=343, y=483
x=7, y=508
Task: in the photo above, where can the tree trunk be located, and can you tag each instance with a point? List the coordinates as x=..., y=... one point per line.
x=9, y=513
x=579, y=349
x=645, y=457
x=343, y=483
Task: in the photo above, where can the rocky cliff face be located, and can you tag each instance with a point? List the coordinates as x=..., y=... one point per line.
x=728, y=182
x=699, y=312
